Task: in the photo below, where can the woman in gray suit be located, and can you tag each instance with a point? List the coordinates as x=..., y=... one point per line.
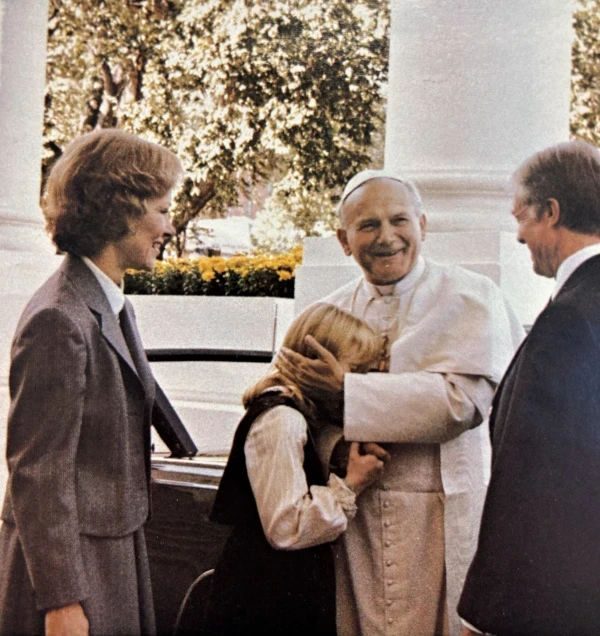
x=72, y=551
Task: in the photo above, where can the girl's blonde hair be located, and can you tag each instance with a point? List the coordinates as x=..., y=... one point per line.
x=338, y=331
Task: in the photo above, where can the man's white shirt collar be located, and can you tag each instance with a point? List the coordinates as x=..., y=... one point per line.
x=570, y=264
x=114, y=293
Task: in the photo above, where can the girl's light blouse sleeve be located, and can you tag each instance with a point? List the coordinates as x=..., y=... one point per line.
x=292, y=516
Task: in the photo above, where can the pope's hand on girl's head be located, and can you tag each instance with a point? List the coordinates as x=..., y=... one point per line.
x=284, y=361
x=300, y=368
x=324, y=354
x=326, y=368
x=322, y=375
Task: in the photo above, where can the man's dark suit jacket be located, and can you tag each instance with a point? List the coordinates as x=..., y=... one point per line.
x=537, y=566
x=78, y=432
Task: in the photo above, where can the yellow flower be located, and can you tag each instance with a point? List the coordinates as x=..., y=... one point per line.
x=209, y=268
x=219, y=265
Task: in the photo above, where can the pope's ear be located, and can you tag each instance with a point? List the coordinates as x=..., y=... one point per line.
x=423, y=226
x=342, y=237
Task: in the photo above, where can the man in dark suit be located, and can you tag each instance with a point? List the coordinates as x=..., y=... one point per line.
x=537, y=567
x=72, y=551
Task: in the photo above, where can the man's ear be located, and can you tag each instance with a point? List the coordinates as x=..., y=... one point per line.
x=552, y=212
x=342, y=237
x=423, y=226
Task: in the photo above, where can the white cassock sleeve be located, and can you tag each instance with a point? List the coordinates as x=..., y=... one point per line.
x=292, y=516
x=414, y=407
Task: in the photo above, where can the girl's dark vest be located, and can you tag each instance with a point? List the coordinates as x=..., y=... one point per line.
x=257, y=589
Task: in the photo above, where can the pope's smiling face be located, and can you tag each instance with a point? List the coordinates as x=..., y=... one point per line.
x=382, y=230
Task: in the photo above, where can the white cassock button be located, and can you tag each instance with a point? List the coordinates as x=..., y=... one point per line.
x=387, y=524
x=386, y=504
x=388, y=544
x=389, y=562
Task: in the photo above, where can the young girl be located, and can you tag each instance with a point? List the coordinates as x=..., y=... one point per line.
x=275, y=575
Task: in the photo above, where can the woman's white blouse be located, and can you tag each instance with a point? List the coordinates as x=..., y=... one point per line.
x=292, y=517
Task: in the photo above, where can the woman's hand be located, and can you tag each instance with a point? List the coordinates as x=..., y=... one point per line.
x=363, y=470
x=67, y=621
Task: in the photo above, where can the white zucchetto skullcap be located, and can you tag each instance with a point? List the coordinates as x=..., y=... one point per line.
x=367, y=175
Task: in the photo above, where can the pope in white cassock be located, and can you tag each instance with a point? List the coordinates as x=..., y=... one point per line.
x=447, y=337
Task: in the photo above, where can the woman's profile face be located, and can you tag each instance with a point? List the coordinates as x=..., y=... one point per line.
x=140, y=248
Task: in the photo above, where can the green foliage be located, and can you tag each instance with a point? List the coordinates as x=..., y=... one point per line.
x=245, y=92
x=585, y=81
x=257, y=275
x=290, y=214
x=287, y=91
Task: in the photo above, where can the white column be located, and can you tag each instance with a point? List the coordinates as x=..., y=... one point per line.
x=26, y=253
x=23, y=26
x=476, y=86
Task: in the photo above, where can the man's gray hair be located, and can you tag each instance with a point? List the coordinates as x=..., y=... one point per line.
x=368, y=175
x=570, y=173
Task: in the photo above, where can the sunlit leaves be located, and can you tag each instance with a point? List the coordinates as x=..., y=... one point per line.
x=245, y=92
x=585, y=82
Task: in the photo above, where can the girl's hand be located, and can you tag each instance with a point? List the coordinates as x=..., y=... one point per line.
x=372, y=448
x=362, y=470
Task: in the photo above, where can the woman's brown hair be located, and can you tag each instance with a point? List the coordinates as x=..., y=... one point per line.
x=100, y=183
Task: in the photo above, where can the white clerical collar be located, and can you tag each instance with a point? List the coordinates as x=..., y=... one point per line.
x=570, y=264
x=397, y=289
x=114, y=293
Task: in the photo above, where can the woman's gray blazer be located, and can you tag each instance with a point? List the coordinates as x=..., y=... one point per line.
x=78, y=443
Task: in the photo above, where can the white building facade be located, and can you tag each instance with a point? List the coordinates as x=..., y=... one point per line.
x=474, y=88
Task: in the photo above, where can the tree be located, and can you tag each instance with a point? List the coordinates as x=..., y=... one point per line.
x=292, y=213
x=585, y=81
x=245, y=92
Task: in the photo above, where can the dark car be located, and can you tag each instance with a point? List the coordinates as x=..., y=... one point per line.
x=182, y=542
